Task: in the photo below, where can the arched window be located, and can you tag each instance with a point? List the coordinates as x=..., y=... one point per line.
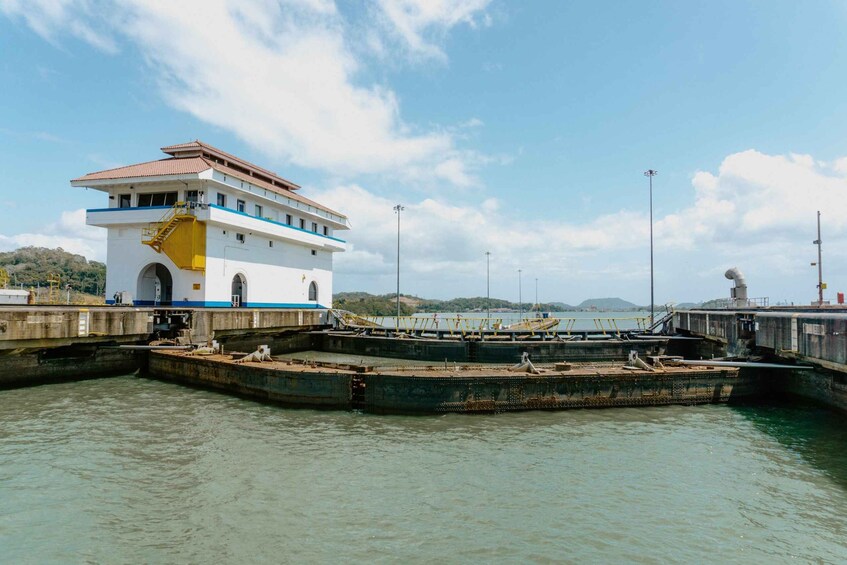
x=313, y=291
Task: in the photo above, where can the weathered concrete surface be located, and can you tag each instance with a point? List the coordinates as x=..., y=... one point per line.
x=322, y=389
x=64, y=364
x=822, y=386
x=35, y=327
x=468, y=389
x=227, y=323
x=606, y=388
x=485, y=352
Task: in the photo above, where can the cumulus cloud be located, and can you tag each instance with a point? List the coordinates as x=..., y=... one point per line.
x=282, y=76
x=68, y=232
x=757, y=211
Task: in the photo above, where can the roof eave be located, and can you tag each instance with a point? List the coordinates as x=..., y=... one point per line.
x=95, y=183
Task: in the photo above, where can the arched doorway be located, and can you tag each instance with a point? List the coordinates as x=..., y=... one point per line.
x=239, y=290
x=155, y=286
x=313, y=291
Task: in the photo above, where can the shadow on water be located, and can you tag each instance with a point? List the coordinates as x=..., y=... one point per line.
x=815, y=433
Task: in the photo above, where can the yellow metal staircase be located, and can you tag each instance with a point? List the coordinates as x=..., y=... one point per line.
x=180, y=235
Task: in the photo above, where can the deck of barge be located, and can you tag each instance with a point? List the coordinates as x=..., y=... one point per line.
x=454, y=388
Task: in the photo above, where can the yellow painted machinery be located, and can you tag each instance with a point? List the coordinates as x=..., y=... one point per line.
x=180, y=235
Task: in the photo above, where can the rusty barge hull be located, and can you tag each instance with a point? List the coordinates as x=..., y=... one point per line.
x=463, y=390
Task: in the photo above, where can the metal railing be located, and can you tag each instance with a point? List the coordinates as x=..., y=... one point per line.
x=156, y=233
x=470, y=327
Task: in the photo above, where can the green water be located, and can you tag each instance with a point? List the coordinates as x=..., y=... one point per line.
x=131, y=470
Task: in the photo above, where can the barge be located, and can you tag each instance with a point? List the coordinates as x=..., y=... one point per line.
x=428, y=389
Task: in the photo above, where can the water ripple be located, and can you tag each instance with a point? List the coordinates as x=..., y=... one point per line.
x=134, y=470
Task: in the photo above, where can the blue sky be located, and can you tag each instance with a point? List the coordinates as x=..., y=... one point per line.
x=522, y=128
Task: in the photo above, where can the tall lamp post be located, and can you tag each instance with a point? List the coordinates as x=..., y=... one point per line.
x=398, y=208
x=520, y=297
x=538, y=310
x=818, y=242
x=488, y=288
x=650, y=173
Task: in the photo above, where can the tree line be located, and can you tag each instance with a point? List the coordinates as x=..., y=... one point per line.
x=32, y=267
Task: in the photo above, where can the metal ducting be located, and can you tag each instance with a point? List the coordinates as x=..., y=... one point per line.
x=739, y=291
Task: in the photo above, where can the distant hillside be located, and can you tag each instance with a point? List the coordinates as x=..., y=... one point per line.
x=32, y=266
x=561, y=307
x=369, y=305
x=386, y=305
x=606, y=304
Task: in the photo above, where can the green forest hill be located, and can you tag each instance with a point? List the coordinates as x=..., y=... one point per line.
x=32, y=267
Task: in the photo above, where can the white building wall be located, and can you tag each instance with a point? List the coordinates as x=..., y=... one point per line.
x=127, y=258
x=276, y=276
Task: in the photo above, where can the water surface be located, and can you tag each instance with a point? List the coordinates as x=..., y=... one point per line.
x=136, y=470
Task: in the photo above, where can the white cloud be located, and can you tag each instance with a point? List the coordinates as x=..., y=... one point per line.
x=757, y=212
x=282, y=76
x=69, y=232
x=420, y=25
x=48, y=18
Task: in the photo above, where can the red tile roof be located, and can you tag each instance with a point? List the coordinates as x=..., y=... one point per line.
x=162, y=167
x=212, y=158
x=218, y=156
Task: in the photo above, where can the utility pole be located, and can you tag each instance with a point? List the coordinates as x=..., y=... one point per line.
x=398, y=208
x=536, y=296
x=520, y=297
x=488, y=288
x=821, y=284
x=650, y=173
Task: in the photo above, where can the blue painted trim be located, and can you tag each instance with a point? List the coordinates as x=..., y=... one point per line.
x=225, y=304
x=126, y=209
x=245, y=214
x=224, y=208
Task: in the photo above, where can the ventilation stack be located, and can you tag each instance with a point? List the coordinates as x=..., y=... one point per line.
x=738, y=293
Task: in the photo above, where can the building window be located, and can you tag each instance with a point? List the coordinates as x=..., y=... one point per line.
x=270, y=243
x=239, y=237
x=124, y=200
x=302, y=224
x=288, y=219
x=222, y=200
x=239, y=205
x=192, y=196
x=157, y=199
x=314, y=252
x=258, y=211
x=315, y=227
x=313, y=291
x=326, y=230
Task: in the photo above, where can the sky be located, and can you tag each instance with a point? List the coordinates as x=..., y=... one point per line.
x=518, y=128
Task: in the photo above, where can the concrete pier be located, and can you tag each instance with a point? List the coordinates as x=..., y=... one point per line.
x=813, y=336
x=53, y=343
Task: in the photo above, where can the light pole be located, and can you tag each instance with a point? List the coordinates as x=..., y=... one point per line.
x=538, y=310
x=520, y=297
x=650, y=173
x=488, y=288
x=398, y=208
x=818, y=242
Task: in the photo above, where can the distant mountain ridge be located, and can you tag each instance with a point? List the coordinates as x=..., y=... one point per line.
x=386, y=304
x=606, y=304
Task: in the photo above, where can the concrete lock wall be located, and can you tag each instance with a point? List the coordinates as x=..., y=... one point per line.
x=55, y=326
x=323, y=390
x=407, y=394
x=485, y=352
x=66, y=364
